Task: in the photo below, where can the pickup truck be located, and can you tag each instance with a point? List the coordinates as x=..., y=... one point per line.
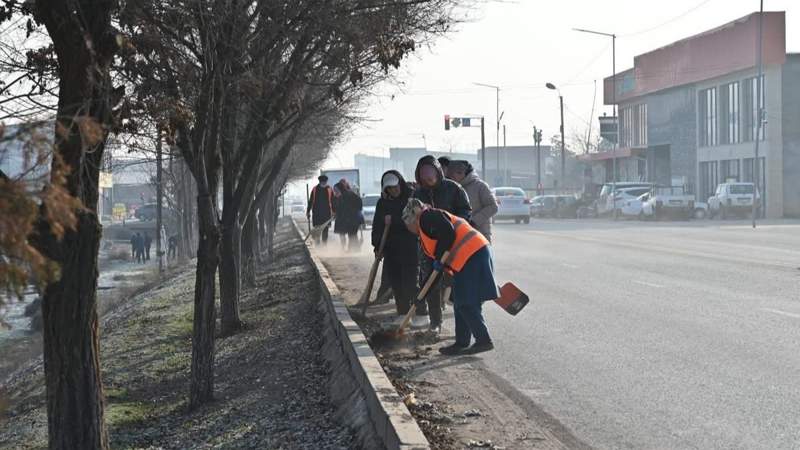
x=732, y=198
x=664, y=201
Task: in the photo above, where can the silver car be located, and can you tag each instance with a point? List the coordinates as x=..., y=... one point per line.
x=512, y=204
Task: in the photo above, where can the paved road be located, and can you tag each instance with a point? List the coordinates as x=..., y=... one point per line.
x=656, y=335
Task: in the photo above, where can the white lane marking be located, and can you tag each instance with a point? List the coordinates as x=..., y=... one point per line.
x=783, y=313
x=645, y=283
x=569, y=266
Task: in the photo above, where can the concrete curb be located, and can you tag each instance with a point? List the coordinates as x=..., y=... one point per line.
x=365, y=398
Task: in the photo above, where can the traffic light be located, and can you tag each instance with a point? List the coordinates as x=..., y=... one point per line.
x=447, y=122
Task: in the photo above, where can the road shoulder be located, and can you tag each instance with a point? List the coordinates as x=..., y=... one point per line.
x=457, y=402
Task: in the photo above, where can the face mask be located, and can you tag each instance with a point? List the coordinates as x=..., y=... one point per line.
x=323, y=183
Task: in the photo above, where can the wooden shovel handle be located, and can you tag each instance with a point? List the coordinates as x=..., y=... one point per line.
x=373, y=272
x=422, y=293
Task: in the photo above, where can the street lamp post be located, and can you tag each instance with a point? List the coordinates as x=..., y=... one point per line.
x=613, y=104
x=759, y=111
x=499, y=117
x=563, y=151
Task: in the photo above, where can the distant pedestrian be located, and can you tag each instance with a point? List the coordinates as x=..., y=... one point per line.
x=483, y=202
x=139, y=247
x=173, y=247
x=147, y=242
x=348, y=215
x=134, y=245
x=320, y=207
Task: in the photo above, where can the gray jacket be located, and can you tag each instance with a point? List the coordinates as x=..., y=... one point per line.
x=483, y=202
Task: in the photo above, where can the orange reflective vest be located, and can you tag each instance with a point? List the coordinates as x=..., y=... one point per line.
x=467, y=242
x=330, y=196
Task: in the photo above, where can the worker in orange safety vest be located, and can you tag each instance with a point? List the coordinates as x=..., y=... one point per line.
x=469, y=269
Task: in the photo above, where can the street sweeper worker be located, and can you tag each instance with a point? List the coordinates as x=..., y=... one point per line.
x=400, y=263
x=468, y=269
x=320, y=207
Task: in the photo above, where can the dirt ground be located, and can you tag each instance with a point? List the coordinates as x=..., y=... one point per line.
x=271, y=380
x=457, y=402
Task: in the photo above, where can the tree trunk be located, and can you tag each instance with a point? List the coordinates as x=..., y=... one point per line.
x=249, y=250
x=229, y=277
x=84, y=45
x=201, y=388
x=71, y=343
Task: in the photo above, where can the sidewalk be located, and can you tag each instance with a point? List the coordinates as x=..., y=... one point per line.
x=457, y=402
x=271, y=387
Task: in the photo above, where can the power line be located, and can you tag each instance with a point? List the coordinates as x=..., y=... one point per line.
x=674, y=19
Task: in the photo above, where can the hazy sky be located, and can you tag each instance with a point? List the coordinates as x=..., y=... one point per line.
x=520, y=45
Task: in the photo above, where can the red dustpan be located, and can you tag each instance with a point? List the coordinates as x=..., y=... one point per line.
x=512, y=300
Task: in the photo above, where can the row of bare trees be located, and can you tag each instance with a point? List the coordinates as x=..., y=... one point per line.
x=248, y=94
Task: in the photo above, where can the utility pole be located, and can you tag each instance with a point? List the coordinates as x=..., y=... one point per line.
x=563, y=145
x=759, y=112
x=505, y=158
x=483, y=148
x=537, y=139
x=159, y=195
x=614, y=106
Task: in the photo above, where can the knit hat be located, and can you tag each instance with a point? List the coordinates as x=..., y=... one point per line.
x=389, y=180
x=410, y=211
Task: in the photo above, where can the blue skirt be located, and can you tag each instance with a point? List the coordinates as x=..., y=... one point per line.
x=475, y=282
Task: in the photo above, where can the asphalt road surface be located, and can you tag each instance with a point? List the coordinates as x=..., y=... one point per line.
x=668, y=335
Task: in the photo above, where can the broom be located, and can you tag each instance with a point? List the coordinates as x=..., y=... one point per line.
x=373, y=272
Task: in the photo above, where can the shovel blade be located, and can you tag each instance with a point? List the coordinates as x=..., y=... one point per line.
x=512, y=299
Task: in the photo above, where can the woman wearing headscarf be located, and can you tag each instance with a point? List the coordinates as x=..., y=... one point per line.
x=348, y=215
x=400, y=263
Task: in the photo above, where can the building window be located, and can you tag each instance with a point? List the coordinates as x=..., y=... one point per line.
x=708, y=117
x=709, y=178
x=749, y=115
x=633, y=126
x=729, y=170
x=729, y=113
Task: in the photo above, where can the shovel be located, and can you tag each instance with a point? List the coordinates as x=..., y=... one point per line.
x=374, y=271
x=420, y=297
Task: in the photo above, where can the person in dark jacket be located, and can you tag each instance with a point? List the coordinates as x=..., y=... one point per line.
x=439, y=192
x=348, y=215
x=400, y=261
x=148, y=242
x=320, y=207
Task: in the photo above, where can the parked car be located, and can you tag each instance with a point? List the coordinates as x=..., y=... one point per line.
x=635, y=207
x=561, y=206
x=665, y=201
x=624, y=195
x=605, y=202
x=543, y=206
x=297, y=209
x=369, y=201
x=146, y=212
x=512, y=204
x=732, y=199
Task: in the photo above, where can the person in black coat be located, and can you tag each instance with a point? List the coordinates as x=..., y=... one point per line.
x=442, y=193
x=348, y=215
x=320, y=207
x=148, y=242
x=400, y=261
